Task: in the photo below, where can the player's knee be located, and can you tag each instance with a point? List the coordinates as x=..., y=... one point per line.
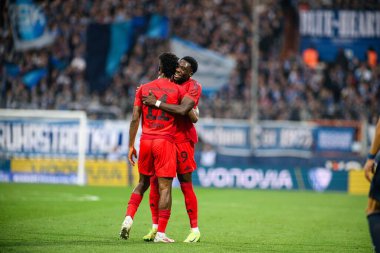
x=372, y=210
x=185, y=178
x=373, y=207
x=369, y=210
x=165, y=193
x=165, y=199
x=141, y=187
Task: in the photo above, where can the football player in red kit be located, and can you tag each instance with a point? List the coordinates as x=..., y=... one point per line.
x=185, y=139
x=157, y=148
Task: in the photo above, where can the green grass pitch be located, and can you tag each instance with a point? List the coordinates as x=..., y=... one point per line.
x=58, y=218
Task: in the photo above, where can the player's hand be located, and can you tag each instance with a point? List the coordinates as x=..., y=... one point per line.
x=368, y=169
x=149, y=100
x=132, y=153
x=196, y=111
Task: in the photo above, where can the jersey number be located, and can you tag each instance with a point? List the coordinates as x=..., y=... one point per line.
x=163, y=115
x=184, y=156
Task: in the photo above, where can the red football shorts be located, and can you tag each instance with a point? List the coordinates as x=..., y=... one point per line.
x=185, y=157
x=157, y=157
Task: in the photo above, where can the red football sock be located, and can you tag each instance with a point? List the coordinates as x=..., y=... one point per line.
x=133, y=204
x=163, y=218
x=191, y=203
x=154, y=197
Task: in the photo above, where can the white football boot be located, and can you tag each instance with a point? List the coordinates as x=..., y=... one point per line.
x=161, y=237
x=126, y=227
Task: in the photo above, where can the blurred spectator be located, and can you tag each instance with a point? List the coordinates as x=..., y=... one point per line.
x=371, y=57
x=310, y=57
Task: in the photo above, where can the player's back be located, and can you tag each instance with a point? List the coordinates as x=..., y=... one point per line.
x=185, y=128
x=156, y=123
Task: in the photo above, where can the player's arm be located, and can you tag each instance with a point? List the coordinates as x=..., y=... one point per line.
x=194, y=114
x=133, y=127
x=375, y=146
x=182, y=109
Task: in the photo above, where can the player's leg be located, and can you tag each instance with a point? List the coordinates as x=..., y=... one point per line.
x=146, y=170
x=164, y=208
x=185, y=166
x=373, y=217
x=154, y=197
x=133, y=205
x=165, y=170
x=373, y=211
x=191, y=203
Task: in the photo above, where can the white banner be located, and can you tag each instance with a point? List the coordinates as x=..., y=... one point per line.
x=35, y=138
x=214, y=69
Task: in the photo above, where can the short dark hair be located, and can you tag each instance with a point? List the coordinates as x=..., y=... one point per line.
x=193, y=63
x=168, y=63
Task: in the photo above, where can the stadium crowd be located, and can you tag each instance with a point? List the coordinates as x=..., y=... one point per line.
x=287, y=90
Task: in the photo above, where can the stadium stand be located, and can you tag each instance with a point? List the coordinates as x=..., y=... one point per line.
x=288, y=89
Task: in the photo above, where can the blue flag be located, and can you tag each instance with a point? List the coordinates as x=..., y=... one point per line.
x=32, y=78
x=106, y=45
x=120, y=42
x=12, y=69
x=158, y=27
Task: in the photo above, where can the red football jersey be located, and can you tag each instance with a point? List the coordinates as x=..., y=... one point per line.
x=185, y=128
x=157, y=124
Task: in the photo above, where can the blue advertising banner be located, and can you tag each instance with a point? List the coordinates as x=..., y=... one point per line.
x=249, y=178
x=334, y=139
x=52, y=138
x=286, y=173
x=301, y=139
x=109, y=139
x=291, y=139
x=331, y=30
x=232, y=137
x=32, y=137
x=276, y=177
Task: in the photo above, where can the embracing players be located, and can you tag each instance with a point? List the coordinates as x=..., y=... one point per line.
x=185, y=139
x=157, y=149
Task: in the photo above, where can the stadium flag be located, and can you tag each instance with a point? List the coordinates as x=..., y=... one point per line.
x=29, y=25
x=121, y=42
x=158, y=27
x=58, y=63
x=106, y=45
x=12, y=69
x=32, y=78
x=214, y=69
